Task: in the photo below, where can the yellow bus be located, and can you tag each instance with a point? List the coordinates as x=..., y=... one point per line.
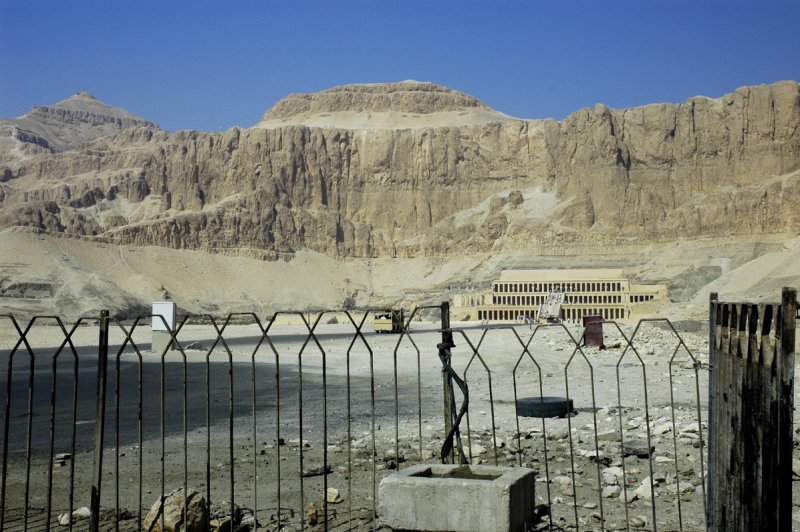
x=388, y=321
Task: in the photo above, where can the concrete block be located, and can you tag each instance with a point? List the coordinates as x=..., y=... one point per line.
x=458, y=498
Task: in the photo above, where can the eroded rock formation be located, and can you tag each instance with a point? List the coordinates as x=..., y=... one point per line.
x=410, y=169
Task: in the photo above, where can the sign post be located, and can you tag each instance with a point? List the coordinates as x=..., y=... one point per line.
x=163, y=325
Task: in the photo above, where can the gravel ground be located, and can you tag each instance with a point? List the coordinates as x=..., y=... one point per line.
x=585, y=474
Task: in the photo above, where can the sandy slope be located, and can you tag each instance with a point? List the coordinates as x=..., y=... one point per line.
x=45, y=274
x=77, y=277
x=760, y=279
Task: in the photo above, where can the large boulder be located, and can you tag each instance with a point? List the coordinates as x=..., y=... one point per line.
x=196, y=515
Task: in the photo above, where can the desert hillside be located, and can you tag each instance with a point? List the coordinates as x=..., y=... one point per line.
x=400, y=192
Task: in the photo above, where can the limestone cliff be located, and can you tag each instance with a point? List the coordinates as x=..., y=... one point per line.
x=411, y=169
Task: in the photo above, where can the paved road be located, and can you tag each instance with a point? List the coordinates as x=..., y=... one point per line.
x=83, y=370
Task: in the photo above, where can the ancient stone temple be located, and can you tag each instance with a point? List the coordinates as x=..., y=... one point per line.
x=518, y=294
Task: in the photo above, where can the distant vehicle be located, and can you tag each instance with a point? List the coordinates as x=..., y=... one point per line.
x=388, y=321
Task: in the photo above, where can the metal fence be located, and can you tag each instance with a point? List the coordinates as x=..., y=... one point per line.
x=290, y=421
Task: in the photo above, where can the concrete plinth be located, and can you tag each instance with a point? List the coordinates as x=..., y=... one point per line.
x=459, y=498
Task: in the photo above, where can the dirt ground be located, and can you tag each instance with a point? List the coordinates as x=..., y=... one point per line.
x=263, y=444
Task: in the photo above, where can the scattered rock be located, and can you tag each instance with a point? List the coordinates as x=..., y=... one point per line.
x=690, y=428
x=608, y=435
x=614, y=471
x=637, y=448
x=609, y=479
x=637, y=521
x=658, y=430
x=477, y=449
x=593, y=455
x=311, y=515
x=610, y=492
x=317, y=471
x=221, y=525
x=644, y=491
x=248, y=522
x=558, y=434
x=196, y=513
x=77, y=515
x=332, y=496
x=561, y=480
x=628, y=496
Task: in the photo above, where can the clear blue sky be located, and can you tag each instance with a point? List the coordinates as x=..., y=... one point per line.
x=210, y=65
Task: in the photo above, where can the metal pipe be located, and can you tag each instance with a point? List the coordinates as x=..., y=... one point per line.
x=100, y=418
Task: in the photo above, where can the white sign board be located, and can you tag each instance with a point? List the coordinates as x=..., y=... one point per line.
x=552, y=307
x=167, y=310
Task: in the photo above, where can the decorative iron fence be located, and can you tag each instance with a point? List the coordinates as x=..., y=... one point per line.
x=289, y=422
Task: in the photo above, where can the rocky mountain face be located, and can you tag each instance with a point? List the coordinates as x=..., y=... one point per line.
x=410, y=169
x=67, y=124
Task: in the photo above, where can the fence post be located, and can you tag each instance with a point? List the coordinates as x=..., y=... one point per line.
x=99, y=422
x=447, y=383
x=786, y=407
x=713, y=410
x=751, y=396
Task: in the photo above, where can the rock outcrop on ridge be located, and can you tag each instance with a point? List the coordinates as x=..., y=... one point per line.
x=403, y=97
